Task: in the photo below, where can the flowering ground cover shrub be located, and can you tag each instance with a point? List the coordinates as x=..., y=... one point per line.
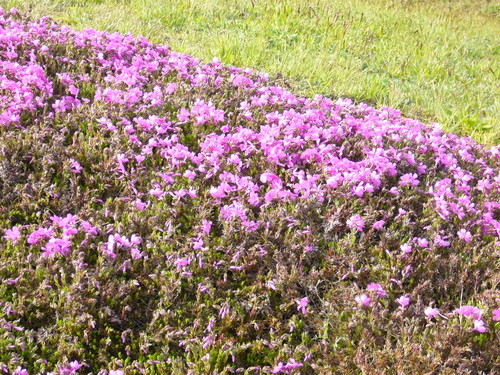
x=163, y=215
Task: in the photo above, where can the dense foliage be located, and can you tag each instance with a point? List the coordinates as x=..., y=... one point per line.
x=162, y=215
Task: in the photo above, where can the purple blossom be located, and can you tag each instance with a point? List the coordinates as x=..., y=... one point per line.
x=287, y=368
x=470, y=311
x=464, y=235
x=135, y=239
x=20, y=371
x=410, y=179
x=203, y=288
x=479, y=326
x=110, y=247
x=271, y=285
x=403, y=301
x=356, y=222
x=441, y=241
x=406, y=248
x=302, y=305
x=431, y=312
x=217, y=192
x=224, y=311
x=140, y=205
x=197, y=243
x=13, y=234
x=208, y=341
x=57, y=246
x=75, y=166
x=377, y=288
x=89, y=228
x=496, y=315
x=71, y=368
x=39, y=234
x=181, y=263
x=378, y=224
x=206, y=225
x=421, y=242
x=363, y=300
x=394, y=190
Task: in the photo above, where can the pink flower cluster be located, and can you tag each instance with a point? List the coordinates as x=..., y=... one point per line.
x=475, y=314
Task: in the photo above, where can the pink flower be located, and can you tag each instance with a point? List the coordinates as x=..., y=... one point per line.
x=409, y=179
x=56, y=245
x=271, y=285
x=287, y=368
x=121, y=158
x=470, y=311
x=403, y=301
x=378, y=224
x=217, y=192
x=496, y=315
x=270, y=178
x=169, y=90
x=363, y=300
x=135, y=253
x=235, y=210
x=208, y=341
x=135, y=239
x=139, y=158
x=292, y=364
x=479, y=326
x=359, y=190
x=441, y=241
x=180, y=263
x=140, y=205
x=89, y=228
x=13, y=234
x=20, y=371
x=116, y=372
x=422, y=168
x=464, y=235
x=377, y=288
x=203, y=288
x=356, y=222
x=71, y=368
x=302, y=305
x=422, y=242
x=39, y=235
x=190, y=174
x=394, y=191
x=75, y=166
x=406, y=248
x=157, y=192
x=224, y=311
x=110, y=247
x=205, y=226
x=197, y=243
x=183, y=115
x=431, y=312
x=250, y=226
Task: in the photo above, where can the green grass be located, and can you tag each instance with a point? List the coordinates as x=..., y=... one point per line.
x=435, y=60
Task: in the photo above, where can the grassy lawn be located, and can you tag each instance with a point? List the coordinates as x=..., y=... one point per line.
x=437, y=61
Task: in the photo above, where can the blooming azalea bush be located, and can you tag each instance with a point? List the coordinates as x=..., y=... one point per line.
x=164, y=215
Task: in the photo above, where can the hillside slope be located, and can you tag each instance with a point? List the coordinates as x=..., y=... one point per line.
x=165, y=215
